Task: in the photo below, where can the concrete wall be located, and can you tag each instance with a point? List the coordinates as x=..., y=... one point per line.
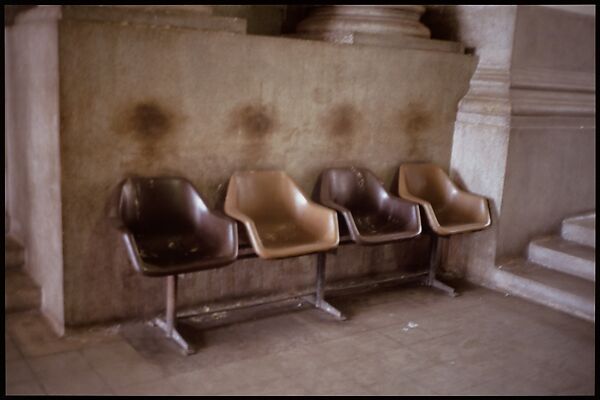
x=222, y=102
x=551, y=175
x=554, y=39
x=33, y=160
x=551, y=168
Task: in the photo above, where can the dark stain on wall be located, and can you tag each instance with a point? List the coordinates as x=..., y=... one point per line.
x=254, y=120
x=148, y=122
x=342, y=121
x=414, y=121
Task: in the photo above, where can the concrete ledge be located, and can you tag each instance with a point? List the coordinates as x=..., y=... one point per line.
x=551, y=79
x=179, y=17
x=383, y=40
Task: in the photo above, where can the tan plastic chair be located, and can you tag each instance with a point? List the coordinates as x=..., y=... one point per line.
x=279, y=219
x=282, y=222
x=448, y=209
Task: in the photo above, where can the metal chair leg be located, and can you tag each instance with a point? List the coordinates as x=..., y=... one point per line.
x=433, y=264
x=318, y=299
x=169, y=325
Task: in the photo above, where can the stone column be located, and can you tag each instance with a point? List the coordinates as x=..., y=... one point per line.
x=390, y=26
x=339, y=22
x=532, y=93
x=32, y=134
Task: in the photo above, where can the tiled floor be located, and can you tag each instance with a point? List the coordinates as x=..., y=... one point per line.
x=405, y=340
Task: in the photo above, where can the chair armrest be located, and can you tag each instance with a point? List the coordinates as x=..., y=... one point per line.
x=472, y=204
x=223, y=225
x=314, y=215
x=133, y=251
x=408, y=207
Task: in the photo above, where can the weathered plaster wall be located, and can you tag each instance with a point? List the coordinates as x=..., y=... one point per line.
x=154, y=101
x=33, y=160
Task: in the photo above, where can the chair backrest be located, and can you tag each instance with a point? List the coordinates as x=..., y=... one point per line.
x=356, y=189
x=428, y=182
x=159, y=205
x=264, y=194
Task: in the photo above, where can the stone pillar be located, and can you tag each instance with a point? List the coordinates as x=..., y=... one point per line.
x=532, y=93
x=482, y=128
x=390, y=26
x=32, y=134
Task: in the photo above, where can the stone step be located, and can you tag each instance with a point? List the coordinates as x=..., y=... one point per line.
x=20, y=292
x=580, y=229
x=14, y=254
x=564, y=256
x=545, y=286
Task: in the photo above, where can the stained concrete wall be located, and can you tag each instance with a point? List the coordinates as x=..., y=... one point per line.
x=33, y=159
x=220, y=102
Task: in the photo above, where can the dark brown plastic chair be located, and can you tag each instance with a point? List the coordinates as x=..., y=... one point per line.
x=449, y=210
x=371, y=214
x=168, y=230
x=279, y=219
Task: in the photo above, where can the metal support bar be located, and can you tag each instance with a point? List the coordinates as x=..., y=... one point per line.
x=320, y=289
x=169, y=324
x=318, y=299
x=434, y=261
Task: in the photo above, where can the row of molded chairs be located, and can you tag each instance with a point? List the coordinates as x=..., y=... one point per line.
x=168, y=229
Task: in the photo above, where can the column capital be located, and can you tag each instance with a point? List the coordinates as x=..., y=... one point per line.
x=344, y=20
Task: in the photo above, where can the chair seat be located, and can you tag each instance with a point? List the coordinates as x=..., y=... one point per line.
x=449, y=210
x=378, y=224
x=279, y=220
x=173, y=249
x=168, y=229
x=371, y=214
x=284, y=234
x=450, y=223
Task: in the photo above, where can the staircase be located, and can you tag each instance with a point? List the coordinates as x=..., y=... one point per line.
x=560, y=271
x=20, y=292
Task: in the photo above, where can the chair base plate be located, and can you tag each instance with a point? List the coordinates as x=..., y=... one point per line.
x=174, y=335
x=325, y=306
x=450, y=291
